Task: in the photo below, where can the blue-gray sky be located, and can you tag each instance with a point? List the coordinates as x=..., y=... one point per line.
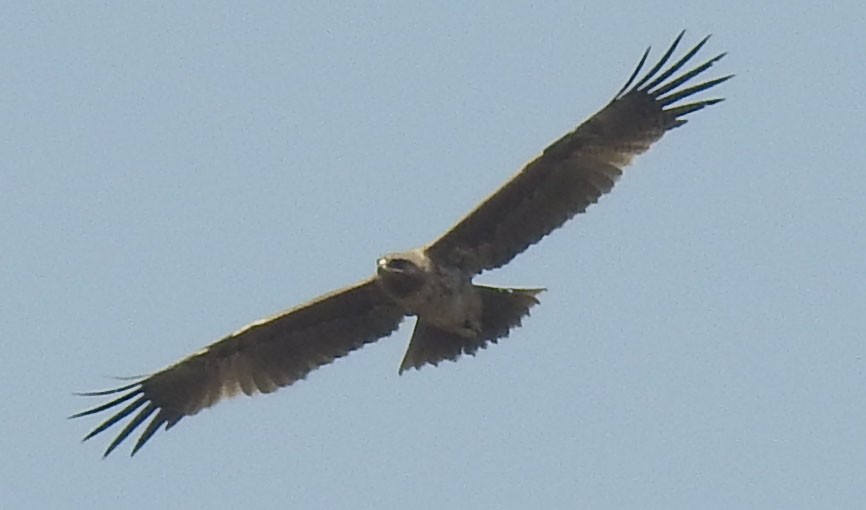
x=172, y=173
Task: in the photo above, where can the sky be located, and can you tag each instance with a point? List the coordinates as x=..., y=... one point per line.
x=172, y=172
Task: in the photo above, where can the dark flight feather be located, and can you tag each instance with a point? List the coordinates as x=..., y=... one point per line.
x=576, y=170
x=259, y=358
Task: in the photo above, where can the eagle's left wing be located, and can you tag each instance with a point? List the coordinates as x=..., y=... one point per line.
x=575, y=171
x=261, y=357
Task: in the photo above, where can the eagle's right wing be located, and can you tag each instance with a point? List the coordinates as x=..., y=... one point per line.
x=575, y=171
x=261, y=357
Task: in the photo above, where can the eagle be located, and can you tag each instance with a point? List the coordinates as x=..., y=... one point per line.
x=434, y=283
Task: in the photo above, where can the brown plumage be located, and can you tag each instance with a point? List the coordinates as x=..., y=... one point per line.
x=434, y=282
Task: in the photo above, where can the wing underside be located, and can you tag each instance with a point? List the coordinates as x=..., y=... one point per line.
x=260, y=358
x=575, y=171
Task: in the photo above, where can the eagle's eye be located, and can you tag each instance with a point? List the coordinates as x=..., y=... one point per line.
x=399, y=264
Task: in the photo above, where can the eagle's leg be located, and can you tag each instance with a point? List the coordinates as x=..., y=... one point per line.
x=501, y=310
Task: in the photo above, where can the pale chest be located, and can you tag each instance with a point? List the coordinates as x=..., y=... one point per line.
x=449, y=300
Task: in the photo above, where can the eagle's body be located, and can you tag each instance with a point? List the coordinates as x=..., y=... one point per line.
x=449, y=307
x=433, y=283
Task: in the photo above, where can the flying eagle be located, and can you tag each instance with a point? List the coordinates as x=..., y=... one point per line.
x=433, y=282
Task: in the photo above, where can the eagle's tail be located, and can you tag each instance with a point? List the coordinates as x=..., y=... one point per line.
x=502, y=310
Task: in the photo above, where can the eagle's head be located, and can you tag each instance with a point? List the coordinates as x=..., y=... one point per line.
x=402, y=274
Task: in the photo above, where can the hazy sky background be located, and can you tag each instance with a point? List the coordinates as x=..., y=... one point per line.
x=171, y=173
